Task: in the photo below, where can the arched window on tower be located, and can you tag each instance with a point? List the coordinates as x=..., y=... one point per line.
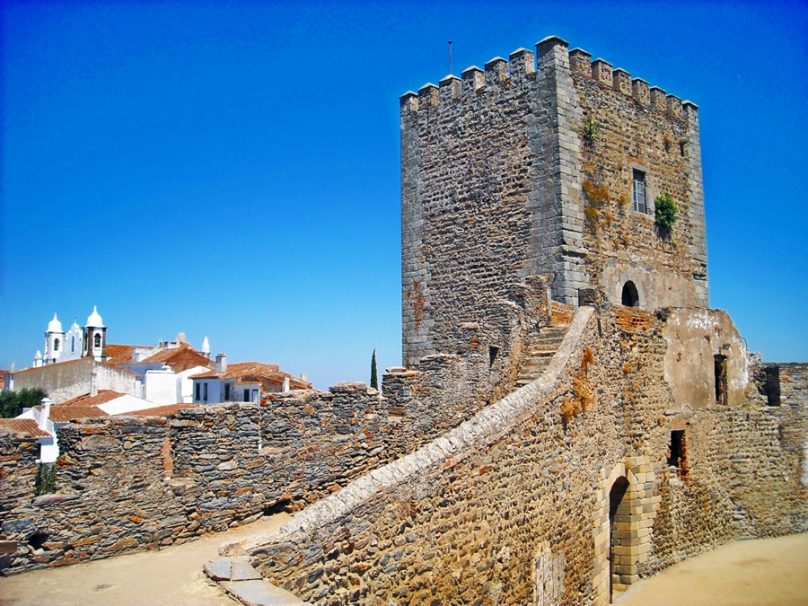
x=72, y=344
x=97, y=340
x=56, y=345
x=630, y=296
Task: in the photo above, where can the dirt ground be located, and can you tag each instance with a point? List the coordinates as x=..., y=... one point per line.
x=766, y=572
x=171, y=576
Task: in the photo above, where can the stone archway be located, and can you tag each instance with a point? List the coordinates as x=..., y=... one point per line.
x=624, y=514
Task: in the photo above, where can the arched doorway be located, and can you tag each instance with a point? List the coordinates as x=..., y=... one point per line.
x=619, y=531
x=630, y=297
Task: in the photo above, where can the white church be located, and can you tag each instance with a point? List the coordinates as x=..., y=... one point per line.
x=77, y=342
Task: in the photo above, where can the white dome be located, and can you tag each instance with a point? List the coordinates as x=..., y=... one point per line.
x=54, y=325
x=38, y=355
x=94, y=320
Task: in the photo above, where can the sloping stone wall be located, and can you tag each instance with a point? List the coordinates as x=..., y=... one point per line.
x=509, y=507
x=136, y=482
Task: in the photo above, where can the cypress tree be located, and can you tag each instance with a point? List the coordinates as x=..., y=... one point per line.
x=374, y=379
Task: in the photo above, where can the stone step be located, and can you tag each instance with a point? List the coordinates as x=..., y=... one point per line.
x=541, y=352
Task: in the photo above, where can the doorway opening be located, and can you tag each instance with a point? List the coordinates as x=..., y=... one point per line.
x=619, y=535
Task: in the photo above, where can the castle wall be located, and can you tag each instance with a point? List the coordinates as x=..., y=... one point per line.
x=126, y=483
x=467, y=171
x=512, y=506
x=60, y=381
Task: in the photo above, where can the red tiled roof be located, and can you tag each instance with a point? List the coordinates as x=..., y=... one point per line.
x=158, y=411
x=255, y=372
x=118, y=355
x=179, y=358
x=60, y=414
x=25, y=426
x=102, y=397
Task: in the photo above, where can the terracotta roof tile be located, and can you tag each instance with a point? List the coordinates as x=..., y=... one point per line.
x=256, y=372
x=179, y=358
x=24, y=426
x=118, y=355
x=103, y=396
x=61, y=414
x=158, y=411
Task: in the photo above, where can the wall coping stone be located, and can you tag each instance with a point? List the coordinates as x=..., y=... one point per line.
x=482, y=429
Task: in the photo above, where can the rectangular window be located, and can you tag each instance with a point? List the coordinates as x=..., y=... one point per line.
x=197, y=387
x=638, y=192
x=227, y=392
x=205, y=392
x=246, y=395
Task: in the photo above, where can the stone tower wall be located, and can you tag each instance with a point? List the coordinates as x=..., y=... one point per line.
x=501, y=179
x=628, y=125
x=467, y=171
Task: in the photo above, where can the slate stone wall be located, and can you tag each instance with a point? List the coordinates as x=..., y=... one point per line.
x=136, y=482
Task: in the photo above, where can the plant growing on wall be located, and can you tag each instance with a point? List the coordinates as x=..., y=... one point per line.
x=590, y=131
x=665, y=213
x=45, y=479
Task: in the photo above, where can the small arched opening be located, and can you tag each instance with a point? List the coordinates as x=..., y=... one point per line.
x=630, y=297
x=97, y=340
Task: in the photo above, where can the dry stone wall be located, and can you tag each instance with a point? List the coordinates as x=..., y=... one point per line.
x=509, y=507
x=137, y=482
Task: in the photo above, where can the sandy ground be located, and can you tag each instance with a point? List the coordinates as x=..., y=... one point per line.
x=766, y=572
x=171, y=576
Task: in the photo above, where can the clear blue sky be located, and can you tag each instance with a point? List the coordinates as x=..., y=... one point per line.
x=231, y=169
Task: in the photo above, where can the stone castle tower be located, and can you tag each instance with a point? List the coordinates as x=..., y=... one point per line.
x=518, y=170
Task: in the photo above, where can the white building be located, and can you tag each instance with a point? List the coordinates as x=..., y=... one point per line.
x=243, y=382
x=76, y=343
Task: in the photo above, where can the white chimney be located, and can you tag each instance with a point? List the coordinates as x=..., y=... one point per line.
x=44, y=414
x=285, y=387
x=221, y=363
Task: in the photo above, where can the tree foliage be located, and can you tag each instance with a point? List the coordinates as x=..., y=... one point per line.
x=12, y=403
x=374, y=378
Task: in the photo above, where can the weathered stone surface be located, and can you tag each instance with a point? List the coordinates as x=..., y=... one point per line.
x=219, y=569
x=261, y=593
x=516, y=500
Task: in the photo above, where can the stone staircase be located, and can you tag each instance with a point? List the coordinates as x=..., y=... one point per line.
x=539, y=353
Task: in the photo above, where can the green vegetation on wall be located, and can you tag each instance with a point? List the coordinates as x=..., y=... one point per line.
x=665, y=213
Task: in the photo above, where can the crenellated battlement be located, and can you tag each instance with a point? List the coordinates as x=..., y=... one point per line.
x=508, y=150
x=522, y=66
